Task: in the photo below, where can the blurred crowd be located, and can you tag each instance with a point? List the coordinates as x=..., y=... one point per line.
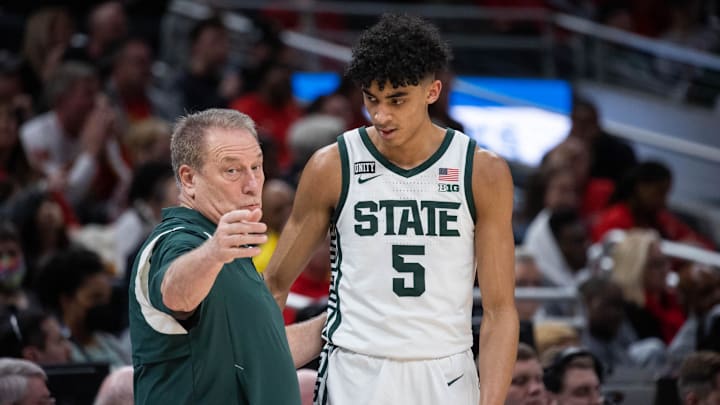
x=85, y=126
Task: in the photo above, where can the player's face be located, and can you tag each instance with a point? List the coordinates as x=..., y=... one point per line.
x=231, y=176
x=398, y=112
x=527, y=386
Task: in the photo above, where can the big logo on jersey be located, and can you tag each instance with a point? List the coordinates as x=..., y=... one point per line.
x=431, y=218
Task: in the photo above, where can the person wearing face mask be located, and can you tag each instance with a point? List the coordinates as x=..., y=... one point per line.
x=74, y=285
x=12, y=268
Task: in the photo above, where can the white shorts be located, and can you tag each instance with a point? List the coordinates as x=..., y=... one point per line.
x=349, y=378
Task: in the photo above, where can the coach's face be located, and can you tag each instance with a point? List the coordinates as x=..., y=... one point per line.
x=231, y=176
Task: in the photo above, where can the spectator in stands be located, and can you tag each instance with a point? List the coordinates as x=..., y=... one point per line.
x=527, y=387
x=43, y=222
x=129, y=85
x=352, y=93
x=12, y=268
x=687, y=26
x=699, y=290
x=47, y=35
x=153, y=188
x=267, y=47
x=33, y=335
x=306, y=136
x=116, y=388
x=12, y=91
x=277, y=201
x=333, y=104
x=148, y=141
x=571, y=234
x=204, y=84
x=75, y=144
x=610, y=157
x=273, y=107
x=641, y=270
x=574, y=155
x=75, y=285
x=560, y=248
x=107, y=26
x=15, y=170
x=549, y=188
x=640, y=201
x=527, y=274
x=609, y=335
x=23, y=382
x=552, y=335
x=699, y=379
x=573, y=375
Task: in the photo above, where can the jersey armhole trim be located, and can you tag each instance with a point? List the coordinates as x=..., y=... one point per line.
x=469, y=159
x=345, y=170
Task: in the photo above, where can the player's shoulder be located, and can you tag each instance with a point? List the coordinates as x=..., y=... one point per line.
x=325, y=158
x=489, y=167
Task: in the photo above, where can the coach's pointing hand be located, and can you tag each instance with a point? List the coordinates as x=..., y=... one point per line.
x=237, y=235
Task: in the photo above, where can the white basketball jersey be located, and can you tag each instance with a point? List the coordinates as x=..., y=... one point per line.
x=403, y=263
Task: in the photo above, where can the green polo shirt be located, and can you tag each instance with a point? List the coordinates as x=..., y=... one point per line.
x=233, y=350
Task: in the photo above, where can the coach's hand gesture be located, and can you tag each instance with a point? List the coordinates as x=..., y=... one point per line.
x=238, y=235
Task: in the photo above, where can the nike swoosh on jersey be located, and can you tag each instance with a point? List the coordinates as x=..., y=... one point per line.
x=451, y=382
x=361, y=180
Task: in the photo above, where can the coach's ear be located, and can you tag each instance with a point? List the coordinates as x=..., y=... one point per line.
x=187, y=180
x=433, y=91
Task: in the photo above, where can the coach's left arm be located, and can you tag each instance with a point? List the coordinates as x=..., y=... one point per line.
x=494, y=253
x=305, y=339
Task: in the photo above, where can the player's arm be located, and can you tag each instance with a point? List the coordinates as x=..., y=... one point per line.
x=190, y=277
x=307, y=227
x=494, y=246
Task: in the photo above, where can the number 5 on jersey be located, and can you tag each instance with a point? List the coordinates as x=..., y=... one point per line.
x=417, y=270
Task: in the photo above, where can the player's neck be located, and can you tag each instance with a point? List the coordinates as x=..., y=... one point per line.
x=416, y=149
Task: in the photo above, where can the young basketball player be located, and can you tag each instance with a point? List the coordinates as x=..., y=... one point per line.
x=414, y=212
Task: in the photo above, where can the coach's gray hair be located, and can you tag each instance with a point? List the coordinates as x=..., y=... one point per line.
x=14, y=374
x=64, y=78
x=187, y=145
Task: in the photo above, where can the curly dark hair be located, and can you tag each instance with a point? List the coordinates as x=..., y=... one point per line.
x=399, y=49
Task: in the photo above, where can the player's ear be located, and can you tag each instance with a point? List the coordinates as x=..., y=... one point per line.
x=433, y=91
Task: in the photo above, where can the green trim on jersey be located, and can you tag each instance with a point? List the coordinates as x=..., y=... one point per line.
x=334, y=311
x=469, y=159
x=345, y=170
x=449, y=133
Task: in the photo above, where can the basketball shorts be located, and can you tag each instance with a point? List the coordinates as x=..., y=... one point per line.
x=349, y=378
